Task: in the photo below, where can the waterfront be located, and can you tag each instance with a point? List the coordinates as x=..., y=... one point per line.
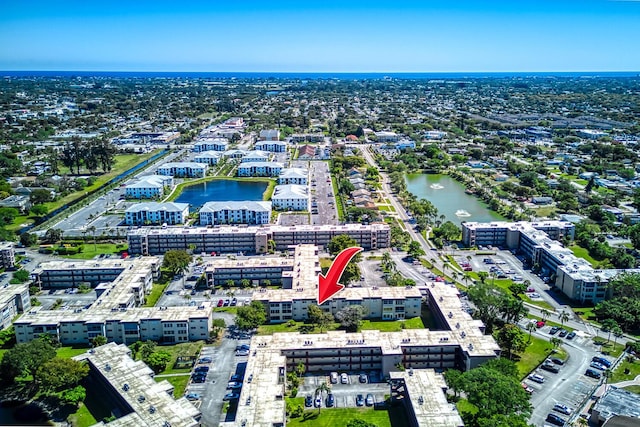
x=221, y=190
x=449, y=197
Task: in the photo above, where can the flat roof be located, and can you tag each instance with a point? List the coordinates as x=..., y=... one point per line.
x=230, y=229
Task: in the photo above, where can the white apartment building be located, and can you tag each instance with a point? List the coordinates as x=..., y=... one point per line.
x=386, y=136
x=152, y=213
x=235, y=154
x=252, y=239
x=148, y=187
x=7, y=255
x=270, y=134
x=296, y=176
x=14, y=299
x=291, y=197
x=122, y=286
x=127, y=388
x=210, y=158
x=272, y=146
x=260, y=169
x=183, y=169
x=211, y=144
x=306, y=137
x=256, y=156
x=244, y=212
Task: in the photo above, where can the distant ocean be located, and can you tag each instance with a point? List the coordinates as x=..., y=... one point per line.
x=311, y=76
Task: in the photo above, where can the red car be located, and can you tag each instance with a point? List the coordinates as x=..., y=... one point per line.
x=539, y=324
x=220, y=303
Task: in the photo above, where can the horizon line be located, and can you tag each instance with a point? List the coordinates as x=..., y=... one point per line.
x=313, y=72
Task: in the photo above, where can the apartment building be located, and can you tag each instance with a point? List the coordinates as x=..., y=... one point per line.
x=148, y=187
x=386, y=136
x=127, y=388
x=294, y=176
x=211, y=144
x=121, y=287
x=210, y=158
x=260, y=169
x=244, y=212
x=229, y=239
x=291, y=197
x=272, y=146
x=183, y=169
x=270, y=134
x=297, y=138
x=219, y=271
x=256, y=156
x=14, y=299
x=7, y=255
x=152, y=213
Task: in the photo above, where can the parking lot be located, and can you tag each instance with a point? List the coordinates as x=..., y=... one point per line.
x=323, y=209
x=345, y=394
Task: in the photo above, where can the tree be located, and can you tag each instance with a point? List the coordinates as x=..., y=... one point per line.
x=517, y=288
x=21, y=275
x=53, y=235
x=512, y=339
x=230, y=283
x=28, y=239
x=7, y=215
x=359, y=422
x=415, y=250
x=545, y=314
x=608, y=325
x=92, y=230
x=99, y=340
x=504, y=366
x=251, y=316
x=177, y=261
x=343, y=241
x=322, y=388
x=39, y=210
x=146, y=348
x=158, y=361
x=350, y=317
x=453, y=377
x=555, y=342
x=318, y=317
x=564, y=317
x=531, y=326
x=482, y=275
x=25, y=359
x=40, y=196
x=512, y=309
x=74, y=396
x=59, y=373
x=487, y=299
x=245, y=283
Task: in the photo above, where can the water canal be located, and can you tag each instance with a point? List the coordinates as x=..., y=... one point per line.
x=449, y=197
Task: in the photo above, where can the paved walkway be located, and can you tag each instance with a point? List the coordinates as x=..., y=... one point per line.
x=635, y=381
x=184, y=374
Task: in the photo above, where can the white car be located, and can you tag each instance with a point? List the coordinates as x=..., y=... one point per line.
x=344, y=378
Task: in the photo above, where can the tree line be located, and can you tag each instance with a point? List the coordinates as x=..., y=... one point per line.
x=93, y=155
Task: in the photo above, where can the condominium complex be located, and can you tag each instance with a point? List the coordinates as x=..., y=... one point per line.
x=260, y=169
x=273, y=146
x=291, y=197
x=7, y=255
x=14, y=299
x=256, y=157
x=210, y=158
x=152, y=213
x=297, y=176
x=226, y=239
x=183, y=169
x=116, y=314
x=220, y=271
x=270, y=134
x=245, y=212
x=214, y=144
x=306, y=137
x=540, y=243
x=148, y=187
x=127, y=388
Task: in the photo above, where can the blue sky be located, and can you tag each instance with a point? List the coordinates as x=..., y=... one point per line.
x=317, y=36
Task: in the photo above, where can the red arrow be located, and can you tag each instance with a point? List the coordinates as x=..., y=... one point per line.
x=328, y=284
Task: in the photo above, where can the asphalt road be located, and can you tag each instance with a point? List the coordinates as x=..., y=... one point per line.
x=324, y=211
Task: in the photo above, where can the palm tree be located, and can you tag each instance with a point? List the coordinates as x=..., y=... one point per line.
x=555, y=342
x=606, y=376
x=563, y=316
x=324, y=387
x=609, y=325
x=92, y=230
x=545, y=314
x=531, y=326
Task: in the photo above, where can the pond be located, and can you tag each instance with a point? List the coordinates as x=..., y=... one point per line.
x=449, y=197
x=221, y=190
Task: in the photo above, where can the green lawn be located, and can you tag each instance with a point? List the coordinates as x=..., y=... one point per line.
x=610, y=347
x=544, y=211
x=90, y=250
x=535, y=353
x=179, y=384
x=339, y=200
x=463, y=405
x=619, y=375
x=332, y=417
x=633, y=389
x=581, y=252
x=392, y=326
x=156, y=292
x=68, y=352
x=82, y=417
x=367, y=325
x=182, y=349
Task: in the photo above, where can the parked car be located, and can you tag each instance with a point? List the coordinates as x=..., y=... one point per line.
x=201, y=369
x=557, y=361
x=205, y=359
x=308, y=401
x=362, y=378
x=331, y=400
x=318, y=402
x=369, y=399
x=555, y=420
x=551, y=368
x=563, y=409
x=593, y=374
x=242, y=353
x=344, y=378
x=193, y=396
x=199, y=378
x=539, y=324
x=563, y=333
x=554, y=330
x=599, y=366
x=234, y=301
x=333, y=377
x=536, y=378
x=602, y=360
x=231, y=396
x=571, y=335
x=220, y=303
x=360, y=400
x=527, y=388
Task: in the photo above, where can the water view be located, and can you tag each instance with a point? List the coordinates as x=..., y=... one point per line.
x=448, y=195
x=221, y=190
